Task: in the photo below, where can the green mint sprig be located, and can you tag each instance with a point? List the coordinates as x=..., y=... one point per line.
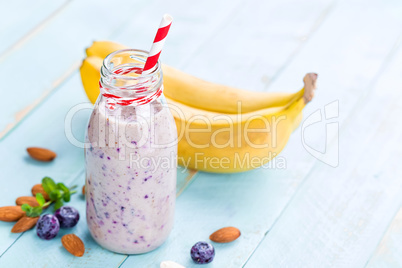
x=35, y=211
x=58, y=194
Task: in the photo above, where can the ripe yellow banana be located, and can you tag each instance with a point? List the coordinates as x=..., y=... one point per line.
x=90, y=72
x=209, y=96
x=227, y=143
x=201, y=94
x=209, y=139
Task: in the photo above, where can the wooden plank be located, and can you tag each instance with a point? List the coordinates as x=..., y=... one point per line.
x=71, y=57
x=175, y=245
x=124, y=30
x=388, y=252
x=46, y=129
x=22, y=19
x=70, y=167
x=55, y=103
x=277, y=185
x=253, y=201
x=258, y=41
x=201, y=29
x=248, y=60
x=194, y=22
x=338, y=216
x=67, y=167
x=52, y=55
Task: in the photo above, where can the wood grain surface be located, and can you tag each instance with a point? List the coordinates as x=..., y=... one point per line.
x=308, y=214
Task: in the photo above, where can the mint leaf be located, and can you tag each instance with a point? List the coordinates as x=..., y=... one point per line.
x=66, y=191
x=31, y=211
x=26, y=207
x=36, y=211
x=41, y=200
x=58, y=204
x=55, y=195
x=48, y=185
x=67, y=196
x=63, y=187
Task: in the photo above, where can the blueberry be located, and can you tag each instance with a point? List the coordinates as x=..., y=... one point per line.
x=67, y=216
x=202, y=252
x=47, y=227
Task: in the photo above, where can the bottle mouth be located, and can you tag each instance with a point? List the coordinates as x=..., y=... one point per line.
x=125, y=67
x=122, y=79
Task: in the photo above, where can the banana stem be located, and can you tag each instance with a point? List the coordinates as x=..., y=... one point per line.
x=310, y=85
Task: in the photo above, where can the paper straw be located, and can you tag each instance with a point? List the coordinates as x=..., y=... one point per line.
x=158, y=43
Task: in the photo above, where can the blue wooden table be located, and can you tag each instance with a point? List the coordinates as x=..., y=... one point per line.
x=316, y=212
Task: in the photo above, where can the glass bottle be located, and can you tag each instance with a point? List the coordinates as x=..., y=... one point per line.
x=131, y=161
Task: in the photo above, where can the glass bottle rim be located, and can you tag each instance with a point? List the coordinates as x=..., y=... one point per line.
x=106, y=66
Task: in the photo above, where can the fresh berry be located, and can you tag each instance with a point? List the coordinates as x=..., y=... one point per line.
x=67, y=216
x=202, y=252
x=47, y=227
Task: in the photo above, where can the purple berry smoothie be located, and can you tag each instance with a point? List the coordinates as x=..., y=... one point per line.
x=131, y=176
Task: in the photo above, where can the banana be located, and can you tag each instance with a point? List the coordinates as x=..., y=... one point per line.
x=227, y=143
x=209, y=96
x=213, y=136
x=90, y=76
x=201, y=94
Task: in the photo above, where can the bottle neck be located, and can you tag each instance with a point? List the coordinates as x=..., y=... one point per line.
x=121, y=82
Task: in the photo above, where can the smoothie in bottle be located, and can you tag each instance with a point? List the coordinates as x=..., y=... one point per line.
x=131, y=160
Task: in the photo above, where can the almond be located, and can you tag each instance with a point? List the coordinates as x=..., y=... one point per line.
x=11, y=213
x=73, y=244
x=30, y=200
x=225, y=235
x=24, y=224
x=41, y=154
x=38, y=188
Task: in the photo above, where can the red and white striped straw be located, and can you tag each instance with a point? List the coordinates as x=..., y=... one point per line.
x=158, y=43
